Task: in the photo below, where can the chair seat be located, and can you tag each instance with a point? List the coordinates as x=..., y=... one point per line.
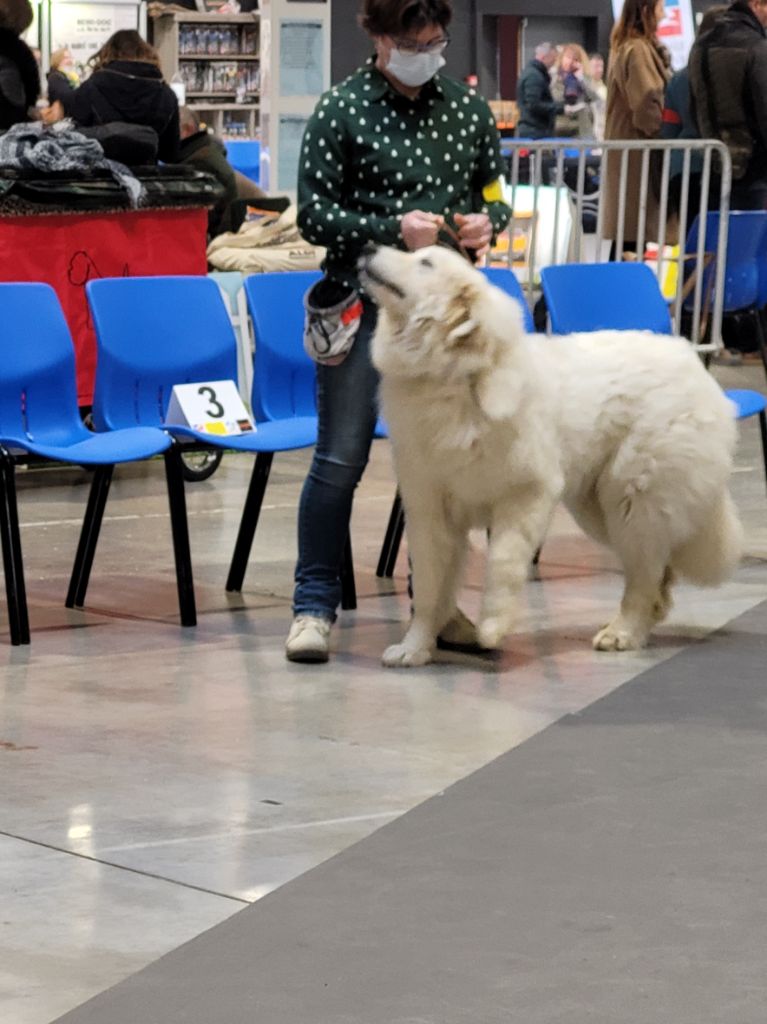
x=129, y=445
x=277, y=435
x=749, y=403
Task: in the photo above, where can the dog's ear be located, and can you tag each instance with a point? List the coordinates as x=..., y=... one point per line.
x=459, y=318
x=462, y=331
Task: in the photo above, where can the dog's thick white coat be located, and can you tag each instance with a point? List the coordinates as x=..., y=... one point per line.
x=491, y=427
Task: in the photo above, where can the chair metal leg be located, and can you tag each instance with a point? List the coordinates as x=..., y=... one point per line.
x=259, y=478
x=174, y=475
x=346, y=573
x=763, y=432
x=10, y=540
x=392, y=539
x=761, y=339
x=89, y=535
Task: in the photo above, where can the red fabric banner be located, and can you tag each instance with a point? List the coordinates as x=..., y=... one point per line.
x=69, y=249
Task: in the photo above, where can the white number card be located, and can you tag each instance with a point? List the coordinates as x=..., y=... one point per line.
x=212, y=407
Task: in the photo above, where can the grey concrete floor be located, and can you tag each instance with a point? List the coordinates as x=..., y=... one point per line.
x=156, y=779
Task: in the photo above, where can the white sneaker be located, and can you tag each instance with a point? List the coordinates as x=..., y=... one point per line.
x=308, y=639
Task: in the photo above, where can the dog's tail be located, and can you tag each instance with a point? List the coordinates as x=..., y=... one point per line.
x=712, y=554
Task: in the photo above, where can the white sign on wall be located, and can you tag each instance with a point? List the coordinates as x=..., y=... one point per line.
x=84, y=27
x=676, y=31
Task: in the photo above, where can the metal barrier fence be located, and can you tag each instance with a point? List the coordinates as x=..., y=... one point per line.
x=572, y=166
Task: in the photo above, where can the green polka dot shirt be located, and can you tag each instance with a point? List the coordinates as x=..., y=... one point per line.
x=370, y=154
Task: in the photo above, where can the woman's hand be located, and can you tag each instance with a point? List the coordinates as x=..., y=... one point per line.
x=53, y=113
x=475, y=232
x=420, y=229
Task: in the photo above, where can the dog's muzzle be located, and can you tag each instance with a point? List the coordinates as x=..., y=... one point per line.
x=368, y=274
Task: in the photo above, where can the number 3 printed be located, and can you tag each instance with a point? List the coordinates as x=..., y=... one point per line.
x=218, y=410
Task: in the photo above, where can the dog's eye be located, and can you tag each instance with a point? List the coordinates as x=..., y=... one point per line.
x=426, y=262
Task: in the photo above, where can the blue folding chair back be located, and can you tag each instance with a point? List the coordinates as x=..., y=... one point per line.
x=38, y=397
x=505, y=279
x=746, y=242
x=604, y=296
x=153, y=333
x=284, y=379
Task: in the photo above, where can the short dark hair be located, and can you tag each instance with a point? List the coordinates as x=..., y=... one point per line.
x=397, y=17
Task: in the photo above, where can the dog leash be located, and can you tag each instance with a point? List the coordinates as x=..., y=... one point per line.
x=456, y=243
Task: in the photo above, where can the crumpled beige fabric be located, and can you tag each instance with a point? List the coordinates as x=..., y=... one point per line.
x=272, y=243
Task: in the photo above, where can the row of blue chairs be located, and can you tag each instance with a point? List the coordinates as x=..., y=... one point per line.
x=152, y=333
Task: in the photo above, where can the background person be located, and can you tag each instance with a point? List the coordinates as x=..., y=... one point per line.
x=569, y=85
x=679, y=123
x=598, y=86
x=728, y=83
x=537, y=107
x=389, y=156
x=204, y=151
x=19, y=73
x=639, y=68
x=62, y=78
x=126, y=85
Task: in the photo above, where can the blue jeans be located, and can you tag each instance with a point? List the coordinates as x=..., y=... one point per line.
x=348, y=409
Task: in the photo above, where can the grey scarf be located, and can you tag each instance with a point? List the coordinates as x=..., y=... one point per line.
x=60, y=147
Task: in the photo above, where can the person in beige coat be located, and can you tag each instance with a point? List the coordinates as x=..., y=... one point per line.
x=639, y=68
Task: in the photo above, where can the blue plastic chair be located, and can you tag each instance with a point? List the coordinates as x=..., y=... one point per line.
x=155, y=332
x=601, y=296
x=39, y=417
x=283, y=391
x=245, y=156
x=505, y=279
x=745, y=273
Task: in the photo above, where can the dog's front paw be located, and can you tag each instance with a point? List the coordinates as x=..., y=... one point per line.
x=404, y=656
x=616, y=638
x=491, y=632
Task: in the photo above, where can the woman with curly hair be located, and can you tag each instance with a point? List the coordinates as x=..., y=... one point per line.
x=571, y=87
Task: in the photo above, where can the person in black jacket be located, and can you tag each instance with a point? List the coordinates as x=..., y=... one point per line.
x=728, y=86
x=537, y=107
x=127, y=85
x=19, y=74
x=61, y=83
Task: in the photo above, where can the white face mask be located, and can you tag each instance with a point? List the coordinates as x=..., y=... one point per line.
x=414, y=69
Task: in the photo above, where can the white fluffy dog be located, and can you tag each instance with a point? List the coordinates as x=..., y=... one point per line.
x=491, y=427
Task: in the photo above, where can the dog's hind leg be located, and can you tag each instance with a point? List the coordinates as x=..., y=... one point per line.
x=436, y=551
x=646, y=600
x=515, y=535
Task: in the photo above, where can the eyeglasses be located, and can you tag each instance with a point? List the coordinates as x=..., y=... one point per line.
x=411, y=47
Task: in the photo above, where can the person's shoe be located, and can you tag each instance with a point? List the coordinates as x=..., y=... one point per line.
x=727, y=357
x=308, y=639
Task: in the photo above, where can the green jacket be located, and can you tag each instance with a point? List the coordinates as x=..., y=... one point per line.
x=370, y=154
x=207, y=153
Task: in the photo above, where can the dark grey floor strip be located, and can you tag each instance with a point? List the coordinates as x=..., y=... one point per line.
x=612, y=870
